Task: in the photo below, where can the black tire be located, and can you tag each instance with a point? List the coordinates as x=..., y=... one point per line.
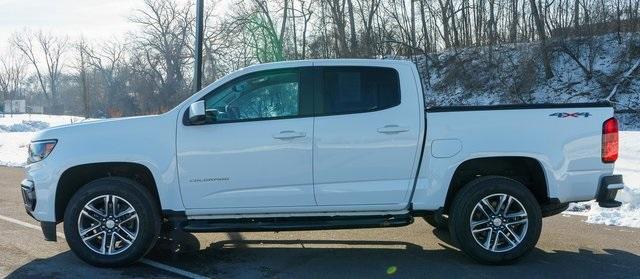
x=464, y=204
x=148, y=213
x=437, y=221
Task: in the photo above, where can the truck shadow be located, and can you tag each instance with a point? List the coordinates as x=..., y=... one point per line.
x=67, y=265
x=239, y=257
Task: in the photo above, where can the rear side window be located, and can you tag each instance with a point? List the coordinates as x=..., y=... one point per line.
x=357, y=89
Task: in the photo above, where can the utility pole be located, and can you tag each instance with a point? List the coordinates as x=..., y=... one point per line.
x=197, y=67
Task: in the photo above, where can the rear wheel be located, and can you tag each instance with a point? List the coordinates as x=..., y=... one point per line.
x=495, y=220
x=111, y=222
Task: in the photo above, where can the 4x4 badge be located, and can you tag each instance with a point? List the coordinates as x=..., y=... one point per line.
x=570, y=114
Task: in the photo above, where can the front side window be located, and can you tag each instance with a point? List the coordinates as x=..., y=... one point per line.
x=357, y=89
x=263, y=95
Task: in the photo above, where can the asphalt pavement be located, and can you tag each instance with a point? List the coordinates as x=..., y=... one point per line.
x=568, y=247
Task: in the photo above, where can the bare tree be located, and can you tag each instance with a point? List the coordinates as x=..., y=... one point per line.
x=353, y=40
x=47, y=49
x=259, y=20
x=513, y=29
x=215, y=44
x=337, y=13
x=445, y=17
x=367, y=11
x=548, y=73
x=165, y=38
x=4, y=79
x=13, y=72
x=306, y=12
x=109, y=61
x=81, y=66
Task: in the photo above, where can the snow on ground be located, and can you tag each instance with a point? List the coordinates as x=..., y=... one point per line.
x=13, y=148
x=628, y=165
x=17, y=130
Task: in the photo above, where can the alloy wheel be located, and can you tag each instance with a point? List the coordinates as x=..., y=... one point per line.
x=499, y=222
x=108, y=224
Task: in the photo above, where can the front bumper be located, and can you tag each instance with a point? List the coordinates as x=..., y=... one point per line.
x=607, y=190
x=27, y=187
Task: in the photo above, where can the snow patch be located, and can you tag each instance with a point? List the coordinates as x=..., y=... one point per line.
x=17, y=130
x=628, y=165
x=13, y=148
x=25, y=126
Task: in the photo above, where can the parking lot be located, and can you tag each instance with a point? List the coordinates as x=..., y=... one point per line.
x=568, y=247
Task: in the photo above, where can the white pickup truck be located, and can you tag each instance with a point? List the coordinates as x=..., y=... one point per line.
x=321, y=144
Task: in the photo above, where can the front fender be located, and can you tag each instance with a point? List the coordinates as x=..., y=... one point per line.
x=148, y=141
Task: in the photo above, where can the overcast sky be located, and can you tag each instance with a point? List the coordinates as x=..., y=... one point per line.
x=94, y=19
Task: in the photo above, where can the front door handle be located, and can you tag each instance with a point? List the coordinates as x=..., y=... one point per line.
x=392, y=129
x=285, y=135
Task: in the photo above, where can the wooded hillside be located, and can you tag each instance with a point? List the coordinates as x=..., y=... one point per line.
x=469, y=51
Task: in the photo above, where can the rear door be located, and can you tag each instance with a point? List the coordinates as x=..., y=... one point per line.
x=366, y=135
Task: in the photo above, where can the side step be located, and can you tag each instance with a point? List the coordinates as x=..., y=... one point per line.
x=296, y=223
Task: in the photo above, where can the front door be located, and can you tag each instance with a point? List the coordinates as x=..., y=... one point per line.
x=257, y=150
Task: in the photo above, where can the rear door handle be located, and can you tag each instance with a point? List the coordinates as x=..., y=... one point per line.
x=392, y=129
x=288, y=134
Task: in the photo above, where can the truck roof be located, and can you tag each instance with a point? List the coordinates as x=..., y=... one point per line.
x=329, y=62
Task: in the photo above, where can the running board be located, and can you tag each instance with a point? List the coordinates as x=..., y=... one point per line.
x=296, y=223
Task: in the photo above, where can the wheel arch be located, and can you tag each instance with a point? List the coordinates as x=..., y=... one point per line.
x=76, y=176
x=526, y=170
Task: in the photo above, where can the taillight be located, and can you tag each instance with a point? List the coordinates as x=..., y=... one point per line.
x=610, y=140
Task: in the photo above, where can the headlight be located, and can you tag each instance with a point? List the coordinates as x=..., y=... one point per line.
x=39, y=150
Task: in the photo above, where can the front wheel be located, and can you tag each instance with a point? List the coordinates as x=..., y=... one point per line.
x=495, y=220
x=111, y=222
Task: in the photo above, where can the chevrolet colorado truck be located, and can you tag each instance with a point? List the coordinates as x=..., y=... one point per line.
x=320, y=144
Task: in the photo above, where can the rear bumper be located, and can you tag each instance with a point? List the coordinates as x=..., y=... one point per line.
x=608, y=189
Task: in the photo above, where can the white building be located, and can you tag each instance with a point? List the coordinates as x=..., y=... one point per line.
x=35, y=109
x=15, y=106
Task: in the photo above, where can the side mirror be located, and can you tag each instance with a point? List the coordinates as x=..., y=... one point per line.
x=197, y=113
